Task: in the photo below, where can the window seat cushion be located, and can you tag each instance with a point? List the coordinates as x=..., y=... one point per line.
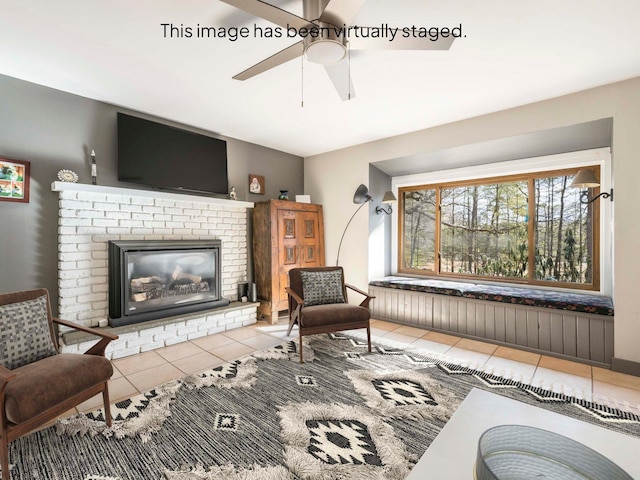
x=576, y=302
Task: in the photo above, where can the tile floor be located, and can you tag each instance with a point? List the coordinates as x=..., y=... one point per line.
x=144, y=371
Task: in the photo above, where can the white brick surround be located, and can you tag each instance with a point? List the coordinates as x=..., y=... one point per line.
x=185, y=328
x=90, y=216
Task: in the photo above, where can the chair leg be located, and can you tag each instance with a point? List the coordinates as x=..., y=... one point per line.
x=107, y=406
x=4, y=458
x=300, y=337
x=369, y=337
x=291, y=324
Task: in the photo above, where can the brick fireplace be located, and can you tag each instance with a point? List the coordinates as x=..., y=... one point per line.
x=91, y=216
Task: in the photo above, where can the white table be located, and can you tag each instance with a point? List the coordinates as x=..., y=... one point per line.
x=452, y=454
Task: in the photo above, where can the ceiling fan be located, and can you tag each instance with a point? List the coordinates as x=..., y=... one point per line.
x=331, y=20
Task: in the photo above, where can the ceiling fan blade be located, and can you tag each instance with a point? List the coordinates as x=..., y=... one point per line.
x=279, y=58
x=398, y=43
x=269, y=12
x=339, y=75
x=341, y=12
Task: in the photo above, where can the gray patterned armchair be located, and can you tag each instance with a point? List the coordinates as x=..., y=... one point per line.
x=318, y=303
x=37, y=383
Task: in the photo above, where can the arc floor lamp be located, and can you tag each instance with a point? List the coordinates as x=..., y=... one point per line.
x=361, y=197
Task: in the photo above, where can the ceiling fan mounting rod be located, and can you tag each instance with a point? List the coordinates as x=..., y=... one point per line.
x=312, y=9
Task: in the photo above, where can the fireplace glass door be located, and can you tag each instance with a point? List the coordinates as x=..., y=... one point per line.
x=159, y=279
x=151, y=279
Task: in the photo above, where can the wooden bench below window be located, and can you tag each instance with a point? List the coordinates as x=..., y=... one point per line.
x=568, y=325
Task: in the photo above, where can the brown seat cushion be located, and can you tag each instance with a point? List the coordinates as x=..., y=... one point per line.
x=43, y=384
x=333, y=314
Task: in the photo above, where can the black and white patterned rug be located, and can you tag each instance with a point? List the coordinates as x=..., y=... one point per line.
x=347, y=414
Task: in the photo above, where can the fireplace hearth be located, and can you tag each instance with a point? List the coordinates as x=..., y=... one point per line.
x=155, y=278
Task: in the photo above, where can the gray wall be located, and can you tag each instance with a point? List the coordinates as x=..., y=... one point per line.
x=55, y=130
x=379, y=223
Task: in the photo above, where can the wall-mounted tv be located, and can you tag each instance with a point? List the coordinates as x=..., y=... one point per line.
x=165, y=157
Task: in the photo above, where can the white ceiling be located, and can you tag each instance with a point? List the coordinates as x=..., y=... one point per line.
x=515, y=52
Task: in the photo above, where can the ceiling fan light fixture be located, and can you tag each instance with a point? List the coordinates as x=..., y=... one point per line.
x=325, y=52
x=327, y=46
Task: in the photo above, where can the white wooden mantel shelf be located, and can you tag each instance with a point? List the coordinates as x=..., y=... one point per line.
x=83, y=187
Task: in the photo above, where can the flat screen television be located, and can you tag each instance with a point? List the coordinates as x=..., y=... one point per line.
x=165, y=157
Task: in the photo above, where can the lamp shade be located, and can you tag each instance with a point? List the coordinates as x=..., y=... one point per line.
x=585, y=179
x=361, y=195
x=389, y=197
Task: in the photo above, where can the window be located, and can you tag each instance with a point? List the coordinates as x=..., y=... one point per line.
x=529, y=228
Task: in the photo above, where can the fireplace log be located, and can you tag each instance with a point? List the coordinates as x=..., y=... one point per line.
x=178, y=274
x=139, y=297
x=160, y=291
x=191, y=288
x=140, y=282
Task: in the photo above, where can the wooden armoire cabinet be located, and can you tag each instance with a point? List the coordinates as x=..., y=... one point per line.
x=286, y=235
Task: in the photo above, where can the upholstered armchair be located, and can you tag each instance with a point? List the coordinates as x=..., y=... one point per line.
x=37, y=382
x=318, y=303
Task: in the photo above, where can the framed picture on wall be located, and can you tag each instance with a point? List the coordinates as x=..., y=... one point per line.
x=14, y=180
x=256, y=184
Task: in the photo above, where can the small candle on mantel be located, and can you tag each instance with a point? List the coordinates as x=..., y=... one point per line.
x=94, y=168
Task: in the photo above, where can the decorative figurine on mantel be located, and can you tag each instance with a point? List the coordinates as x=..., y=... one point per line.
x=94, y=168
x=232, y=194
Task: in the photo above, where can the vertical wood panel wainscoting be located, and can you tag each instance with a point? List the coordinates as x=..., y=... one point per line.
x=561, y=333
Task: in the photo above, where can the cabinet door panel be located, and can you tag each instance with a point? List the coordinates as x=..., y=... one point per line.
x=290, y=255
x=309, y=240
x=289, y=226
x=310, y=227
x=288, y=249
x=310, y=254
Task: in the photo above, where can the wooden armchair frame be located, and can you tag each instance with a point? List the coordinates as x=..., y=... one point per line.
x=10, y=431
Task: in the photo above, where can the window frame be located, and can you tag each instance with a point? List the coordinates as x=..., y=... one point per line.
x=529, y=175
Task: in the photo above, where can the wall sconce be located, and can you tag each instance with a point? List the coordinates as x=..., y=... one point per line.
x=587, y=179
x=388, y=198
x=361, y=197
